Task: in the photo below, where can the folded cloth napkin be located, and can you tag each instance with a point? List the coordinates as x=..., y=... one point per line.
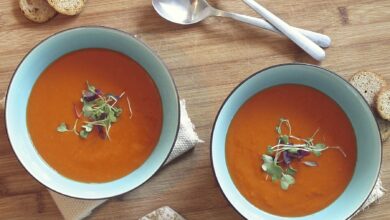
x=375, y=195
x=187, y=139
x=78, y=209
x=163, y=213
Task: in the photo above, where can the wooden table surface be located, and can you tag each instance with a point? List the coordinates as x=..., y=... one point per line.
x=207, y=61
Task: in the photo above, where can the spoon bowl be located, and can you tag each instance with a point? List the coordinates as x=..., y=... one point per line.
x=183, y=11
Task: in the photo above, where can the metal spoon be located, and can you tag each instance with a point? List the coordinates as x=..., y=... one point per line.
x=299, y=39
x=193, y=11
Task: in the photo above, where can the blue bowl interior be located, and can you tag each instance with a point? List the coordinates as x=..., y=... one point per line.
x=50, y=50
x=363, y=122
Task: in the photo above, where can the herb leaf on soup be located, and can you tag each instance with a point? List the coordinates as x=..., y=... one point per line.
x=62, y=127
x=310, y=163
x=98, y=110
x=286, y=181
x=278, y=159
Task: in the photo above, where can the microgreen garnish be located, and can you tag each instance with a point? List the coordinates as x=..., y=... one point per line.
x=129, y=105
x=310, y=163
x=62, y=127
x=277, y=161
x=98, y=110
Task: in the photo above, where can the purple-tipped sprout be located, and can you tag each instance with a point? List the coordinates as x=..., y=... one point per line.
x=89, y=96
x=101, y=131
x=302, y=153
x=287, y=157
x=98, y=92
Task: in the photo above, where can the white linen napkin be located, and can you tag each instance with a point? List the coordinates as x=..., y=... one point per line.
x=74, y=209
x=163, y=213
x=375, y=195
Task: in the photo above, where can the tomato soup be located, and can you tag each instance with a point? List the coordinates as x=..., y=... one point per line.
x=253, y=129
x=94, y=159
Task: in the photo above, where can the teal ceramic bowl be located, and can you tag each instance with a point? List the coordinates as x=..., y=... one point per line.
x=50, y=50
x=369, y=152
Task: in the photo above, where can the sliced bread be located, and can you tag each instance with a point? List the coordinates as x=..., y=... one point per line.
x=384, y=128
x=37, y=10
x=383, y=103
x=363, y=82
x=368, y=84
x=68, y=7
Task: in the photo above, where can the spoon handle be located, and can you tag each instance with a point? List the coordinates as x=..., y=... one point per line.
x=320, y=39
x=303, y=42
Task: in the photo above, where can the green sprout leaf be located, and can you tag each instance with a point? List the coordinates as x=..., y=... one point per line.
x=284, y=139
x=317, y=152
x=310, y=163
x=273, y=170
x=284, y=185
x=320, y=146
x=84, y=134
x=91, y=88
x=270, y=151
x=111, y=116
x=286, y=181
x=117, y=111
x=267, y=158
x=87, y=110
x=278, y=130
x=278, y=159
x=88, y=127
x=98, y=110
x=291, y=171
x=62, y=127
x=288, y=178
x=267, y=166
x=293, y=150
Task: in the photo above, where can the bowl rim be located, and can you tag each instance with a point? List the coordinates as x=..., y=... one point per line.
x=276, y=66
x=130, y=36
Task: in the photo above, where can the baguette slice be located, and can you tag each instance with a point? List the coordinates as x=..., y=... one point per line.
x=68, y=7
x=384, y=128
x=38, y=11
x=368, y=84
x=362, y=81
x=383, y=103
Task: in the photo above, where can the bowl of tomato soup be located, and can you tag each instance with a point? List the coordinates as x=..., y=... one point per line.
x=92, y=112
x=296, y=141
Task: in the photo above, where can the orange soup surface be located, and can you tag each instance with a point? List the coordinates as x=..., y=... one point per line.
x=94, y=159
x=253, y=129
